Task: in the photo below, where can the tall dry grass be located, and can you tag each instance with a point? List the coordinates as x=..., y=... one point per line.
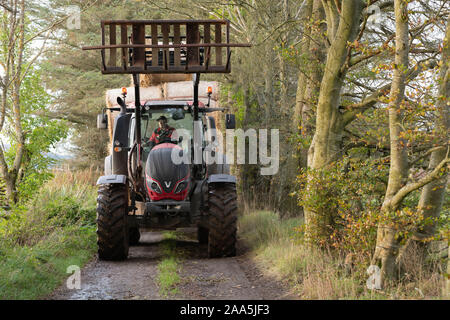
x=69, y=198
x=277, y=245
x=76, y=177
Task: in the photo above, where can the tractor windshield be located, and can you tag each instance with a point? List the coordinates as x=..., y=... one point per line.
x=176, y=118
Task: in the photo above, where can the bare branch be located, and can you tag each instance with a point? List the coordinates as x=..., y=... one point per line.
x=410, y=187
x=58, y=22
x=429, y=151
x=6, y=6
x=370, y=101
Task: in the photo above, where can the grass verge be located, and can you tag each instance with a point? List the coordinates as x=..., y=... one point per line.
x=168, y=267
x=35, y=271
x=278, y=247
x=41, y=239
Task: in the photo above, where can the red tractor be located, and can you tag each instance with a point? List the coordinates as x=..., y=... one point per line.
x=143, y=187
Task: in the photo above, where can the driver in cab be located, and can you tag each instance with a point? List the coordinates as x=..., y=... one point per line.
x=161, y=134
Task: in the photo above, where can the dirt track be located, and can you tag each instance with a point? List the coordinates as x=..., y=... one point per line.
x=202, y=278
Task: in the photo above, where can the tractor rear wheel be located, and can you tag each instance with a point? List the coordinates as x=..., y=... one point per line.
x=135, y=235
x=112, y=227
x=202, y=235
x=222, y=205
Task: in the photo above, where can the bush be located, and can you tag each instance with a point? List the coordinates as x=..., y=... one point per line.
x=345, y=198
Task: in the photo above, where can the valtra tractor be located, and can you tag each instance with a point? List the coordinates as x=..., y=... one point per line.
x=143, y=187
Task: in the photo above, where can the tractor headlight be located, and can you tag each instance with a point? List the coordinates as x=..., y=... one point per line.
x=154, y=186
x=181, y=186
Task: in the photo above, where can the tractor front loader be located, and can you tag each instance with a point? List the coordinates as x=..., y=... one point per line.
x=143, y=187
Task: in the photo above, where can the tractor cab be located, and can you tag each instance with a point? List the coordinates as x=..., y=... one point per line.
x=178, y=115
x=165, y=178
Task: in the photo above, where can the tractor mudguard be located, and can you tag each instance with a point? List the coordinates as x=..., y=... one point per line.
x=120, y=139
x=108, y=165
x=221, y=178
x=112, y=179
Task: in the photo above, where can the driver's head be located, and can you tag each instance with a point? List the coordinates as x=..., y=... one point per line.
x=162, y=122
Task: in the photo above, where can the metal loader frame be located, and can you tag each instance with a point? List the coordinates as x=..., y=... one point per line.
x=165, y=46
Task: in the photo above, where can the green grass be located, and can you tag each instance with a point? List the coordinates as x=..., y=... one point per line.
x=46, y=235
x=260, y=228
x=34, y=272
x=168, y=267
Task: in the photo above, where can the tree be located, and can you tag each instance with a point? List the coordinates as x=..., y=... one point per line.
x=13, y=47
x=398, y=172
x=73, y=76
x=262, y=85
x=432, y=196
x=388, y=238
x=310, y=75
x=355, y=82
x=28, y=133
x=342, y=29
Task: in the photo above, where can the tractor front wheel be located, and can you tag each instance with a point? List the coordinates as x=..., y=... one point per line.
x=222, y=205
x=112, y=227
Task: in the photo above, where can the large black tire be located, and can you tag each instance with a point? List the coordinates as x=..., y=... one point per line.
x=202, y=235
x=222, y=205
x=135, y=235
x=112, y=228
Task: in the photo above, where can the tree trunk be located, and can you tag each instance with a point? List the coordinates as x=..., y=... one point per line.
x=317, y=56
x=327, y=139
x=301, y=80
x=284, y=107
x=15, y=60
x=11, y=192
x=432, y=196
x=301, y=86
x=387, y=244
x=447, y=282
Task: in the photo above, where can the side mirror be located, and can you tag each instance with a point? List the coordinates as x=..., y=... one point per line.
x=102, y=121
x=121, y=103
x=230, y=121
